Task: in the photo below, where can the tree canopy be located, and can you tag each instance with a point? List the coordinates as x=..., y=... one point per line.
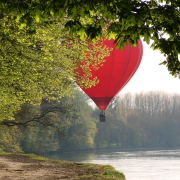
x=156, y=20
x=145, y=119
x=42, y=62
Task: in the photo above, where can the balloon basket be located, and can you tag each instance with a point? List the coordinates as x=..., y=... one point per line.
x=102, y=116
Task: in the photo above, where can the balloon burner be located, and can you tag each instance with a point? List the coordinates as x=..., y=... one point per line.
x=102, y=116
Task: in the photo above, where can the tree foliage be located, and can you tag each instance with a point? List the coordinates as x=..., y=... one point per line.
x=141, y=120
x=82, y=131
x=40, y=61
x=9, y=139
x=156, y=20
x=49, y=114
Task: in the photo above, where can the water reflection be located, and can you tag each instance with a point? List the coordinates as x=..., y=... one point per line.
x=73, y=156
x=135, y=164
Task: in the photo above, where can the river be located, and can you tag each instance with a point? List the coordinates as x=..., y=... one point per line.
x=136, y=164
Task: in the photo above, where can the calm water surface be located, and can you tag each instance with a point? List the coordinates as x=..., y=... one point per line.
x=135, y=164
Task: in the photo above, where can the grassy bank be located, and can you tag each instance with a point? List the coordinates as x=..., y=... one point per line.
x=24, y=165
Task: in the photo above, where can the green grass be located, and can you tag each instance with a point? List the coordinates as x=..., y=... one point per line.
x=5, y=153
x=110, y=175
x=113, y=175
x=107, y=168
x=90, y=166
x=33, y=156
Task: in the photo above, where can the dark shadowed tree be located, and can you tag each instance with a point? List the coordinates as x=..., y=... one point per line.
x=156, y=20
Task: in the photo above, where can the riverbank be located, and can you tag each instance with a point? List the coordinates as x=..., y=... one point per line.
x=22, y=166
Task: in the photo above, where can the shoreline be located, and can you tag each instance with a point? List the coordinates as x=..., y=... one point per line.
x=120, y=149
x=29, y=166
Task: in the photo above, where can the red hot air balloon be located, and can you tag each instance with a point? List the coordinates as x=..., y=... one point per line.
x=115, y=73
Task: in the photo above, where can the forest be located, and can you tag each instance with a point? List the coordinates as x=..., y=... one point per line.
x=144, y=119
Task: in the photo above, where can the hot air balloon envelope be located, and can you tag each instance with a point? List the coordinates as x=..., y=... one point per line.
x=115, y=73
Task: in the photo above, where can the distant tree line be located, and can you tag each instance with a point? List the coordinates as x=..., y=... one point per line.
x=146, y=119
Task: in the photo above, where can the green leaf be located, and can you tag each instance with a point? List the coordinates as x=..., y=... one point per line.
x=66, y=3
x=163, y=63
x=18, y=18
x=139, y=23
x=82, y=35
x=74, y=11
x=82, y=13
x=146, y=38
x=37, y=18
